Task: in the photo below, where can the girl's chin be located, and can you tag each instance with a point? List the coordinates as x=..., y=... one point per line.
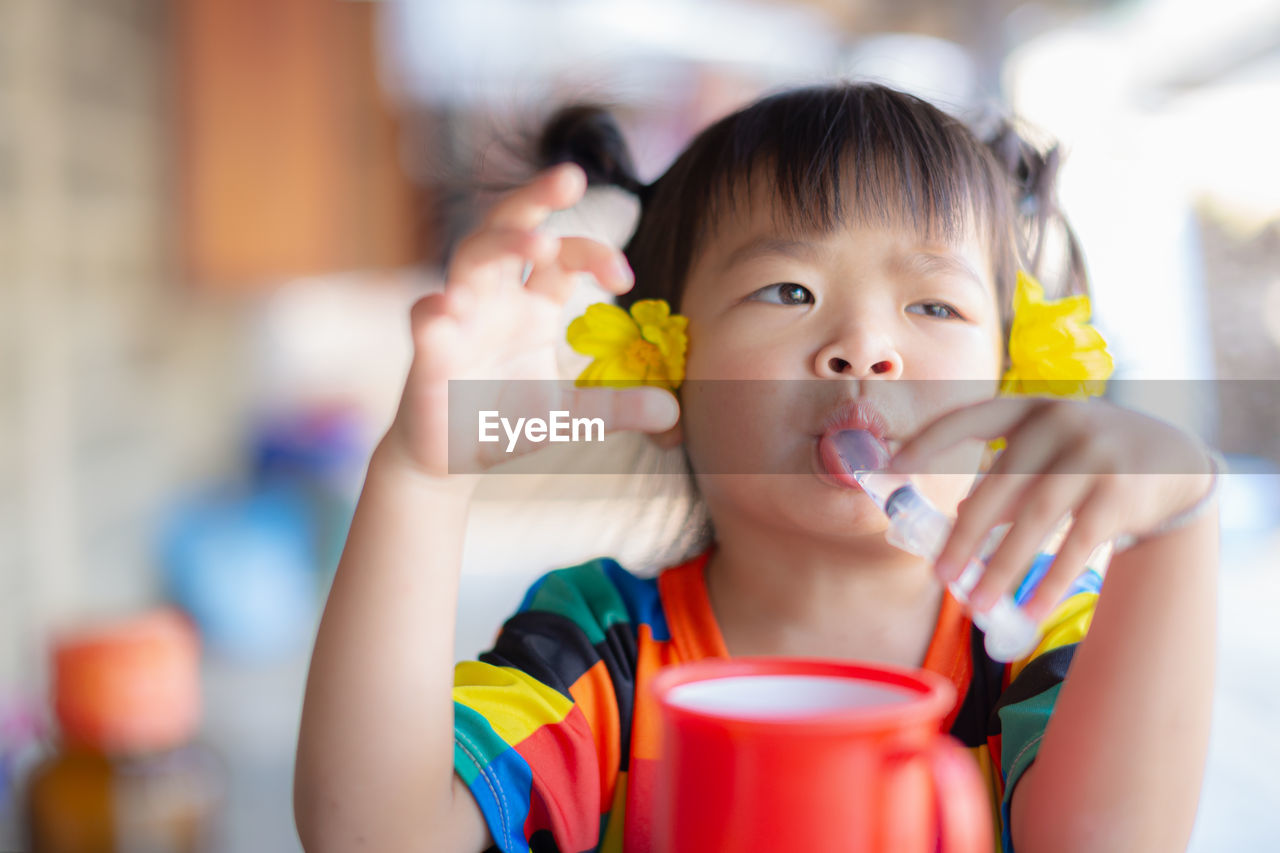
x=811, y=504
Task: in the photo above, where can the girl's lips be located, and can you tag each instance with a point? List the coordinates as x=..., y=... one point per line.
x=856, y=414
x=833, y=461
x=833, y=464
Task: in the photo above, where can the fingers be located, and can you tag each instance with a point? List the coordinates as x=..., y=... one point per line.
x=529, y=206
x=976, y=515
x=507, y=242
x=986, y=420
x=490, y=255
x=1033, y=445
x=1056, y=463
x=1042, y=508
x=433, y=322
x=507, y=239
x=555, y=280
x=1093, y=525
x=455, y=305
x=642, y=409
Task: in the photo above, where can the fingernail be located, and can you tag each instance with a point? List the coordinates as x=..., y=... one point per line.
x=948, y=572
x=625, y=272
x=674, y=413
x=980, y=602
x=1037, y=611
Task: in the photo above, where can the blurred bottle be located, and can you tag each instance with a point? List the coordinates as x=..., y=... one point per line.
x=241, y=561
x=251, y=561
x=126, y=777
x=321, y=451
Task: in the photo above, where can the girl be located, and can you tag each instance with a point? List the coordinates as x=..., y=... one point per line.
x=848, y=234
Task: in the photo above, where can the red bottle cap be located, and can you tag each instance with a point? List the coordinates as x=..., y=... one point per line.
x=131, y=686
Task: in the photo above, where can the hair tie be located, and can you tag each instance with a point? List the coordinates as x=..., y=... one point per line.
x=643, y=192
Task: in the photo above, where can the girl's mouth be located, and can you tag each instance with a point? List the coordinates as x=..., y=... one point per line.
x=858, y=413
x=840, y=453
x=874, y=448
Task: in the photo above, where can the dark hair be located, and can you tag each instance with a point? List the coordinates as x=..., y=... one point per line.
x=831, y=152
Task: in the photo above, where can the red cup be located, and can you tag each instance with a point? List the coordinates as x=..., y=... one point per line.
x=785, y=755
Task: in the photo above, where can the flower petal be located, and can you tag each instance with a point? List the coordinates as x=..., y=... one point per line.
x=604, y=330
x=672, y=341
x=651, y=312
x=1052, y=347
x=612, y=336
x=608, y=371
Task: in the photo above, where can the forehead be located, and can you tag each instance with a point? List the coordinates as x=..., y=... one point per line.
x=757, y=219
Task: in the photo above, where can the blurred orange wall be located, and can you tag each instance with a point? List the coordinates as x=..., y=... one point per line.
x=286, y=158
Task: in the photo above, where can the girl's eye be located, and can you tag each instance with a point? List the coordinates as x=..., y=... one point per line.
x=939, y=310
x=784, y=293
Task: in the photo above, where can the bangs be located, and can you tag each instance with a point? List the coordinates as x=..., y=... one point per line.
x=826, y=157
x=854, y=156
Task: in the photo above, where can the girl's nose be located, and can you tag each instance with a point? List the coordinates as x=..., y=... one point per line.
x=859, y=355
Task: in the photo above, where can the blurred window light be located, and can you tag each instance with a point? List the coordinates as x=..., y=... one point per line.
x=508, y=51
x=1229, y=142
x=940, y=71
x=1144, y=146
x=1271, y=312
x=1196, y=85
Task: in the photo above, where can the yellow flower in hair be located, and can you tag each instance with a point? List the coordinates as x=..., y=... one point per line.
x=644, y=347
x=1053, y=349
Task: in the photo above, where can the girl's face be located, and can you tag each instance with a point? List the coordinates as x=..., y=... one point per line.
x=861, y=308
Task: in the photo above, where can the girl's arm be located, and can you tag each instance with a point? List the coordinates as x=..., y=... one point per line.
x=1120, y=764
x=1122, y=759
x=375, y=752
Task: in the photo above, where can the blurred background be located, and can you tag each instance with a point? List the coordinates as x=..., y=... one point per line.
x=214, y=215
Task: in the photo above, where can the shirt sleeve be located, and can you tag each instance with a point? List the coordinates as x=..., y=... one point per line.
x=541, y=720
x=1024, y=707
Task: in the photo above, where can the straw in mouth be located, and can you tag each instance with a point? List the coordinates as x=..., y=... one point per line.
x=859, y=450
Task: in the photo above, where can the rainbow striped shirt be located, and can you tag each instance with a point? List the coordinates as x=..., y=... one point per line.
x=556, y=733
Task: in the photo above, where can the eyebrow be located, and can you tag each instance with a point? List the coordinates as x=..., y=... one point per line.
x=764, y=246
x=920, y=262
x=930, y=263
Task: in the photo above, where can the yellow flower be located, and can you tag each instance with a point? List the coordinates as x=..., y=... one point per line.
x=1053, y=349
x=645, y=347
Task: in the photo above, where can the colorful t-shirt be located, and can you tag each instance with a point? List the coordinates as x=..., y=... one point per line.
x=556, y=732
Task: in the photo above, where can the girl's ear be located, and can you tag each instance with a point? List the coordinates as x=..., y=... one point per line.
x=670, y=438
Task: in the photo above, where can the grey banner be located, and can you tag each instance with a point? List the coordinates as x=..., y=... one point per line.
x=775, y=427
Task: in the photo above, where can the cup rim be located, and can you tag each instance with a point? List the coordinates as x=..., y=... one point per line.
x=935, y=695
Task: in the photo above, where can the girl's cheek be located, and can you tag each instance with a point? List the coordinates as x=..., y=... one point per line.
x=724, y=359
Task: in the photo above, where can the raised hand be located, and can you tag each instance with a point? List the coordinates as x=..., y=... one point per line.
x=488, y=324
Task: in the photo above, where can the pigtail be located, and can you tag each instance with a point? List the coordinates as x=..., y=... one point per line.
x=1044, y=230
x=589, y=135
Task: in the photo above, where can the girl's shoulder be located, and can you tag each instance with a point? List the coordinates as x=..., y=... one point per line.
x=597, y=595
x=600, y=596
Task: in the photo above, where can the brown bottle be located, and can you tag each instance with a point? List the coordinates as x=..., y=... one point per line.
x=126, y=777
